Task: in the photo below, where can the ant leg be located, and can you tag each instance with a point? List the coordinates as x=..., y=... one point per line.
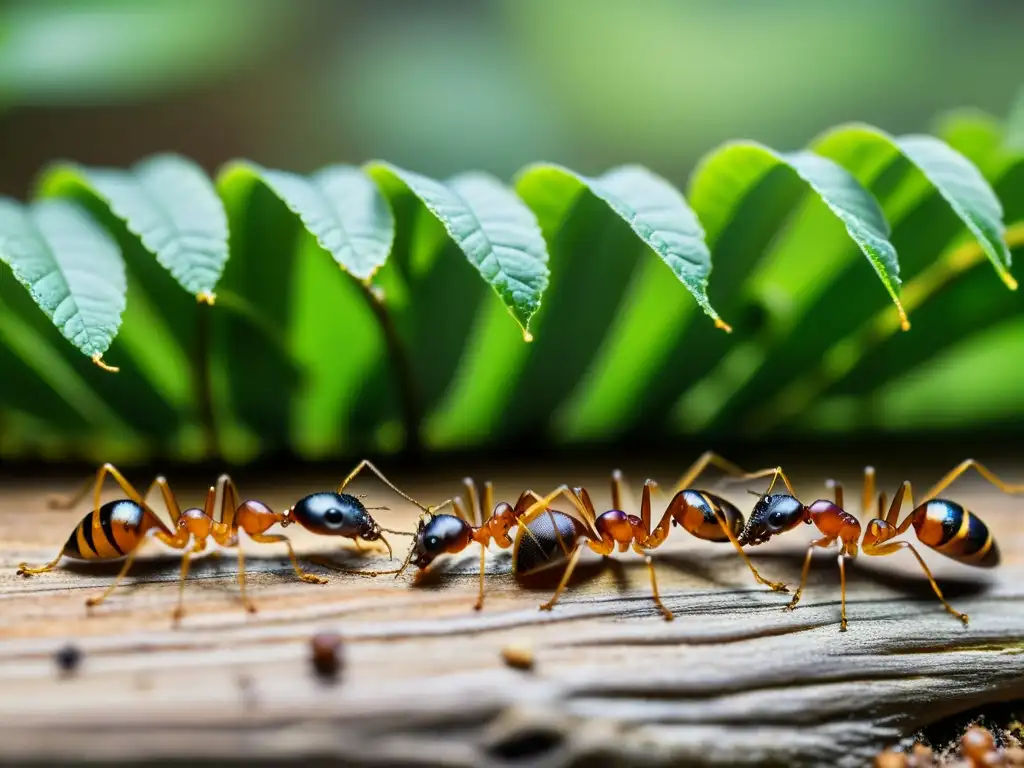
x=228, y=494
x=619, y=489
x=706, y=459
x=582, y=513
x=170, y=501
x=869, y=491
x=825, y=541
x=480, y=595
x=364, y=464
x=179, y=611
x=892, y=516
x=654, y=591
x=472, y=497
x=249, y=605
x=837, y=489
x=487, y=505
x=565, y=578
x=273, y=538
x=460, y=510
x=895, y=546
x=776, y=586
x=97, y=484
x=24, y=569
x=177, y=542
x=842, y=592
x=963, y=467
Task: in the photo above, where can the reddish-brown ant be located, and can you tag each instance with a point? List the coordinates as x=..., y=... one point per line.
x=546, y=538
x=940, y=524
x=120, y=528
x=439, y=535
x=701, y=514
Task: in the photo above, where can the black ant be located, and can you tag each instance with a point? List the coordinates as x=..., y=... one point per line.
x=120, y=528
x=940, y=524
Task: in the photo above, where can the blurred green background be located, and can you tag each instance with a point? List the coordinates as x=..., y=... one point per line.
x=445, y=86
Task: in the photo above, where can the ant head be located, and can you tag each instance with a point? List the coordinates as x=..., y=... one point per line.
x=334, y=514
x=772, y=515
x=437, y=535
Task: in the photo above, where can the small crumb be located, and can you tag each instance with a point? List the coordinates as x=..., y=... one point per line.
x=518, y=655
x=68, y=659
x=326, y=655
x=977, y=743
x=891, y=759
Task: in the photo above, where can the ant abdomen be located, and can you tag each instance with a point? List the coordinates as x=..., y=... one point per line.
x=957, y=533
x=700, y=514
x=545, y=542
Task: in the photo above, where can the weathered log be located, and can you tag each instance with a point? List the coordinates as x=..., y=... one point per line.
x=734, y=679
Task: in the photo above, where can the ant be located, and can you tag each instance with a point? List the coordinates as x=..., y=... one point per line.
x=701, y=514
x=438, y=535
x=120, y=528
x=940, y=524
x=546, y=538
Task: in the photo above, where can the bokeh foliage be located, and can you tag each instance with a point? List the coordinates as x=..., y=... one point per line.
x=294, y=354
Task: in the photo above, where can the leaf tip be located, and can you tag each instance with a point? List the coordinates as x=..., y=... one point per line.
x=527, y=336
x=98, y=360
x=722, y=325
x=206, y=297
x=1010, y=280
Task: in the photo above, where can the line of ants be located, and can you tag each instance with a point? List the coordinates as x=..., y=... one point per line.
x=543, y=537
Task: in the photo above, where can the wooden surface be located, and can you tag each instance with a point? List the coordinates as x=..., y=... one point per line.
x=734, y=679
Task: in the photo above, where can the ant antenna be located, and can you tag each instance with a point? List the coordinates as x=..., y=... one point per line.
x=412, y=548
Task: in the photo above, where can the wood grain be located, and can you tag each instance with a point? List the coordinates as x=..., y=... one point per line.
x=733, y=680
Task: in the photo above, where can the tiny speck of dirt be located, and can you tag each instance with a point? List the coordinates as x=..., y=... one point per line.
x=518, y=655
x=326, y=656
x=68, y=659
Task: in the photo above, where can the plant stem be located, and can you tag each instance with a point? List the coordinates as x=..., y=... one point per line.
x=845, y=354
x=203, y=385
x=402, y=367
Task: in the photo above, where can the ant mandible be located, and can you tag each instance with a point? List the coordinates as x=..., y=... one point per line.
x=941, y=524
x=120, y=528
x=701, y=514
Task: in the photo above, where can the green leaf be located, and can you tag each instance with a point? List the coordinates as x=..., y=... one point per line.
x=343, y=209
x=170, y=204
x=253, y=370
x=71, y=268
x=954, y=177
x=924, y=226
x=493, y=228
x=738, y=164
x=662, y=344
x=654, y=210
x=593, y=227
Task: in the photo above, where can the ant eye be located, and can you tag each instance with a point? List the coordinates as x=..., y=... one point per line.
x=334, y=516
x=432, y=542
x=776, y=518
